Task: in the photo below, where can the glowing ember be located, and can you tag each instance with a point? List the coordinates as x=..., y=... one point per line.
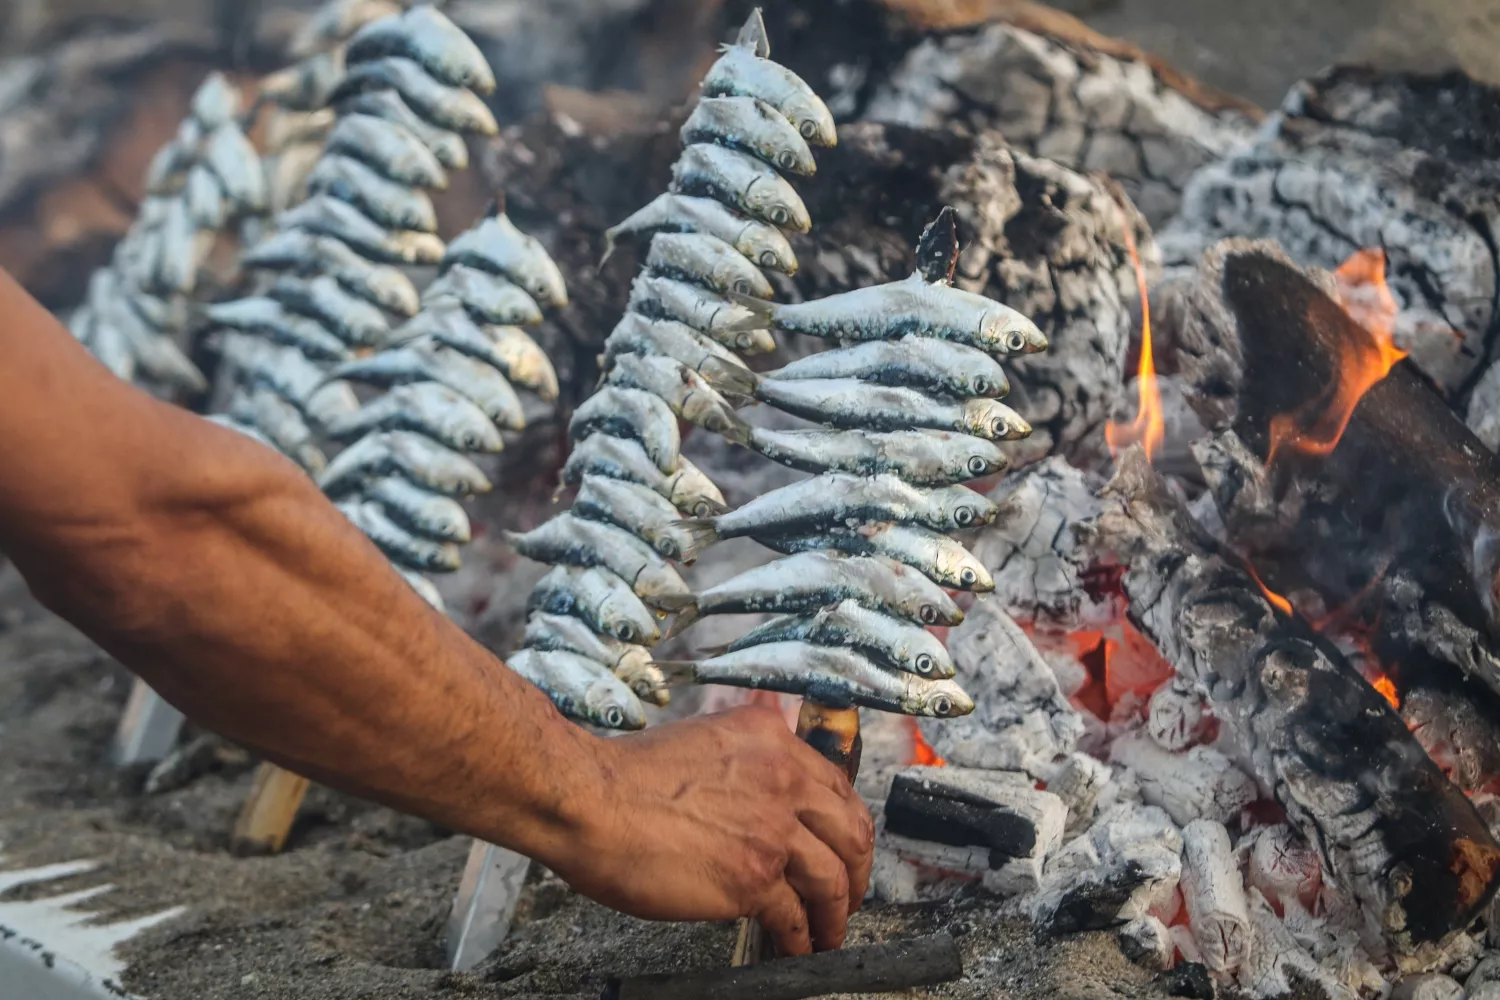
x=1148, y=429
x=1387, y=689
x=1315, y=428
x=921, y=751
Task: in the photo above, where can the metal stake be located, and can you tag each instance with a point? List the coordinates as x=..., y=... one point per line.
x=148, y=729
x=485, y=904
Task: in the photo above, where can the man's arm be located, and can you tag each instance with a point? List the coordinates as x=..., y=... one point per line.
x=217, y=571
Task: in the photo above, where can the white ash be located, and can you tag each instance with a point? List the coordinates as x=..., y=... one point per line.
x=1176, y=715
x=1486, y=970
x=1279, y=863
x=1147, y=942
x=1485, y=991
x=1200, y=783
x=1021, y=720
x=893, y=879
x=1428, y=986
x=1089, y=110
x=1275, y=964
x=1129, y=824
x=1213, y=890
x=1336, y=948
x=1036, y=559
x=1079, y=781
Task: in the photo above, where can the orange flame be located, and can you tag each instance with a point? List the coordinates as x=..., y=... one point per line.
x=921, y=751
x=1315, y=428
x=1282, y=604
x=1148, y=428
x=1387, y=689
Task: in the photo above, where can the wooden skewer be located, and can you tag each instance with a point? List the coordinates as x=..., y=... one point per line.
x=269, y=812
x=834, y=733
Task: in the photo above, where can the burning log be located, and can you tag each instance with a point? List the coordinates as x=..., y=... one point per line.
x=1359, y=159
x=1276, y=964
x=1199, y=784
x=1403, y=492
x=1387, y=824
x=1122, y=887
x=879, y=968
x=1147, y=942
x=1214, y=893
x=1079, y=781
x=1175, y=716
x=1281, y=866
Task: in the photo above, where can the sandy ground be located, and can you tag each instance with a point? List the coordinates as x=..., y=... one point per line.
x=354, y=909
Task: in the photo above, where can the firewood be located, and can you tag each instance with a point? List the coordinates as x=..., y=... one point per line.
x=963, y=807
x=1146, y=942
x=1199, y=783
x=1276, y=964
x=266, y=819
x=1079, y=781
x=1213, y=890
x=1428, y=986
x=1121, y=889
x=1175, y=716
x=1281, y=865
x=1387, y=823
x=894, y=965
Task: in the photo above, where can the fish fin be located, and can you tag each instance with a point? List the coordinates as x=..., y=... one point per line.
x=738, y=431
x=764, y=312
x=937, y=250
x=701, y=534
x=496, y=207
x=753, y=36
x=678, y=672
x=609, y=247
x=737, y=385
x=685, y=617
x=669, y=603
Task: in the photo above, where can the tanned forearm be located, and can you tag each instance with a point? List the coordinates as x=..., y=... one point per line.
x=214, y=569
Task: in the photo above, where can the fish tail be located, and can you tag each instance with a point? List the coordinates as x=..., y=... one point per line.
x=678, y=672
x=609, y=247
x=736, y=431
x=737, y=385
x=764, y=312
x=701, y=533
x=671, y=602
x=685, y=617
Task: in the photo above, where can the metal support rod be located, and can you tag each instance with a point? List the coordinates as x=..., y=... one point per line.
x=148, y=728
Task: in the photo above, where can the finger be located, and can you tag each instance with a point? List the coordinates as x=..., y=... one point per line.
x=822, y=880
x=784, y=918
x=822, y=770
x=846, y=827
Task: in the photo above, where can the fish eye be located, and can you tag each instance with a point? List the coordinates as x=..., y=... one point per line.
x=964, y=516
x=744, y=341
x=787, y=159
x=625, y=632
x=780, y=215
x=613, y=717
x=667, y=547
x=702, y=509
x=808, y=128
x=941, y=705
x=928, y=614
x=978, y=465
x=742, y=286
x=924, y=663
x=768, y=258
x=968, y=577
x=981, y=386
x=1016, y=341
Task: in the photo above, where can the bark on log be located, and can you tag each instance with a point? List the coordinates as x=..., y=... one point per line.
x=1387, y=824
x=1362, y=159
x=1408, y=493
x=895, y=965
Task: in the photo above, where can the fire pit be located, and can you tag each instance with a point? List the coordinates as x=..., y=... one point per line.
x=1236, y=690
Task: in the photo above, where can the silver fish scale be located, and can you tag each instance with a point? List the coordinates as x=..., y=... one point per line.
x=706, y=239
x=205, y=181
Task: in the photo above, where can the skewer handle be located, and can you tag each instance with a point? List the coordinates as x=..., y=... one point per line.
x=834, y=733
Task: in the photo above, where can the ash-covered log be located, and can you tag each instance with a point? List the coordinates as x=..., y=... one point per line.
x=962, y=807
x=1388, y=825
x=1406, y=491
x=1359, y=158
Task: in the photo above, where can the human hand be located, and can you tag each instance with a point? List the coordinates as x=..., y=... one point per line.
x=724, y=816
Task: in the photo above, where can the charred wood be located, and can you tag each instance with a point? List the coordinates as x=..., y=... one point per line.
x=1386, y=822
x=894, y=965
x=1200, y=783
x=1359, y=159
x=970, y=808
x=1408, y=491
x=1213, y=891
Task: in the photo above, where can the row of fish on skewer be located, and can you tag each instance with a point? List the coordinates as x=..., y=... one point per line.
x=450, y=377
x=206, y=181
x=595, y=615
x=909, y=411
x=331, y=276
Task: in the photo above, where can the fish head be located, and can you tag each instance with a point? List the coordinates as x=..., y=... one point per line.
x=611, y=704
x=968, y=572
x=620, y=623
x=1009, y=333
x=813, y=120
x=963, y=508
x=938, y=699
x=925, y=656
x=767, y=248
x=519, y=307
x=539, y=275
x=995, y=421
x=752, y=342
x=782, y=145
x=984, y=458
x=779, y=205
